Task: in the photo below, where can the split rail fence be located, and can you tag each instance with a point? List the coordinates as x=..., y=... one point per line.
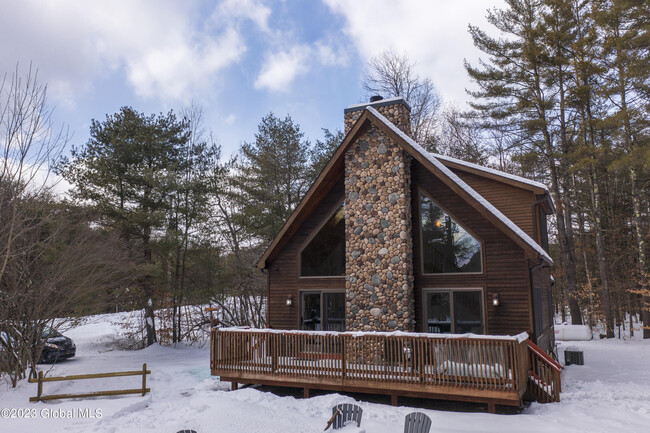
x=42, y=379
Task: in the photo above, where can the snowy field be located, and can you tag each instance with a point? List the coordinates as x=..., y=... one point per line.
x=610, y=393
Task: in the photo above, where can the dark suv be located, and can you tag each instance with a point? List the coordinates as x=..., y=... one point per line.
x=56, y=346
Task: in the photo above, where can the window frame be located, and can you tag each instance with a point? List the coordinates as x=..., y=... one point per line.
x=313, y=234
x=458, y=221
x=425, y=308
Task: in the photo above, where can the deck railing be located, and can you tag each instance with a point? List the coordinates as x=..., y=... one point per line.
x=468, y=367
x=544, y=375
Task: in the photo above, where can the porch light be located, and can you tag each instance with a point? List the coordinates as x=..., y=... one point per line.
x=289, y=300
x=495, y=300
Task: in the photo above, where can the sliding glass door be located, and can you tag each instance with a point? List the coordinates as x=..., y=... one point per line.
x=456, y=311
x=322, y=311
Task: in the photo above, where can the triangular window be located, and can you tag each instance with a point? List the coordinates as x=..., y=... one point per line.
x=324, y=255
x=446, y=246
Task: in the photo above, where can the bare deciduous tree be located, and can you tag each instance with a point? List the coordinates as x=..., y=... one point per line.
x=50, y=261
x=390, y=74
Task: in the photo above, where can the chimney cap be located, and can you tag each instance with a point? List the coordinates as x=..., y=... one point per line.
x=381, y=103
x=376, y=98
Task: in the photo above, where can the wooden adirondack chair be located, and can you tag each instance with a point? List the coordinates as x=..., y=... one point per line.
x=347, y=412
x=417, y=422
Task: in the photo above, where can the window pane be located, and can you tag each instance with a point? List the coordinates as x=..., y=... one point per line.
x=311, y=311
x=325, y=254
x=438, y=312
x=467, y=312
x=446, y=246
x=334, y=311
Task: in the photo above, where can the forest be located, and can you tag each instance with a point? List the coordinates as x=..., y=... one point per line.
x=158, y=221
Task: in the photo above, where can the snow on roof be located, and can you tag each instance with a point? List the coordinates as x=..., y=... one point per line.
x=492, y=171
x=521, y=337
x=479, y=198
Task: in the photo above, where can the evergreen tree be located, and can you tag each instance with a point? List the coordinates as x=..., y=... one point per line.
x=127, y=170
x=518, y=96
x=273, y=176
x=323, y=150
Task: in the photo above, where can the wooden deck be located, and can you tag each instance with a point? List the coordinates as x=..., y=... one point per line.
x=485, y=369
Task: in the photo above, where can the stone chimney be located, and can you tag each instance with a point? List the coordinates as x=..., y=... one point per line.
x=379, y=259
x=397, y=110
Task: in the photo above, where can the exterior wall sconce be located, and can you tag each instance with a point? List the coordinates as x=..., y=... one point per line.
x=495, y=300
x=289, y=300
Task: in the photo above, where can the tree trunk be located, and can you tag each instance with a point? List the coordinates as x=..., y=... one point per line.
x=147, y=288
x=602, y=260
x=567, y=247
x=640, y=244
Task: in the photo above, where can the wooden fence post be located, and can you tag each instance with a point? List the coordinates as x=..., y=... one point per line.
x=144, y=379
x=39, y=392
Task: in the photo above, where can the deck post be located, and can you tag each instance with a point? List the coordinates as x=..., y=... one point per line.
x=274, y=353
x=393, y=399
x=233, y=386
x=305, y=393
x=492, y=407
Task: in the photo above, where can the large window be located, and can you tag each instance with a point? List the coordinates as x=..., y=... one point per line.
x=322, y=311
x=456, y=311
x=446, y=246
x=324, y=255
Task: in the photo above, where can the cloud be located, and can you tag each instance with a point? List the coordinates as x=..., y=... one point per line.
x=230, y=119
x=281, y=68
x=168, y=50
x=253, y=10
x=432, y=33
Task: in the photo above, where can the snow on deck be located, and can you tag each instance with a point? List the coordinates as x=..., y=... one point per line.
x=519, y=338
x=610, y=393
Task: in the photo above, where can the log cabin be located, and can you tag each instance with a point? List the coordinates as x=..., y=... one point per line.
x=394, y=241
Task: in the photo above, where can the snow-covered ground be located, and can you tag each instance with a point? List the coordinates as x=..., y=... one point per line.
x=610, y=393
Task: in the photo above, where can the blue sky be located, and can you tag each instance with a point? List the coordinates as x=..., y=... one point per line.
x=238, y=59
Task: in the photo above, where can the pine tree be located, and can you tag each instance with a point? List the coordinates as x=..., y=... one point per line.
x=625, y=37
x=127, y=170
x=518, y=96
x=273, y=176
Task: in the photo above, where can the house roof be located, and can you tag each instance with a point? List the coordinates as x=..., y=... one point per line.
x=430, y=161
x=501, y=175
x=512, y=227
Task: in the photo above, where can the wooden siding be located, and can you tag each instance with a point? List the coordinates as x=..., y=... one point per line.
x=505, y=267
x=284, y=278
x=515, y=203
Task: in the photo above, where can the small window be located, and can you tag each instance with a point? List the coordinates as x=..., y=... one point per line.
x=324, y=255
x=454, y=311
x=446, y=246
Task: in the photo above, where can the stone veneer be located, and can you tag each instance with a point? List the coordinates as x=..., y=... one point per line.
x=396, y=110
x=379, y=261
